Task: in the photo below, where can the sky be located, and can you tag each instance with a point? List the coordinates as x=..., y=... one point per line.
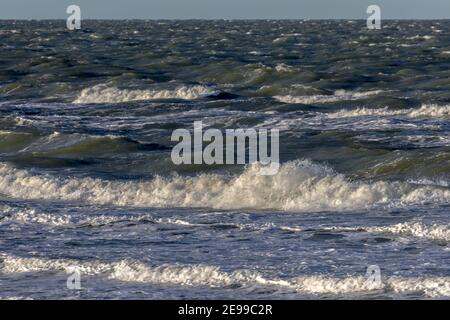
x=225, y=9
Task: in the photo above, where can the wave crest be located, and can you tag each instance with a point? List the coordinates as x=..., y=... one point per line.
x=298, y=186
x=339, y=95
x=104, y=94
x=419, y=230
x=433, y=111
x=405, y=229
x=211, y=276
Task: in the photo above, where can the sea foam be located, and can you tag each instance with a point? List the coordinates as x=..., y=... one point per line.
x=105, y=94
x=298, y=186
x=8, y=214
x=212, y=276
x=339, y=95
x=431, y=111
x=416, y=229
x=405, y=229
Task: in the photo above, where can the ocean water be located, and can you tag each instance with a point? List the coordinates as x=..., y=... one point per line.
x=87, y=182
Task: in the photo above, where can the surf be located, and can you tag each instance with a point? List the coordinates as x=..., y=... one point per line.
x=214, y=277
x=298, y=186
x=102, y=93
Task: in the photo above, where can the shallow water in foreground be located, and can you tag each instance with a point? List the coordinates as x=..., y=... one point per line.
x=86, y=178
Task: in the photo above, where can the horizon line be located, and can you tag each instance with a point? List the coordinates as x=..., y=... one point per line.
x=222, y=19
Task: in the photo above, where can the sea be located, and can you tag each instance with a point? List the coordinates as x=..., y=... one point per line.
x=93, y=207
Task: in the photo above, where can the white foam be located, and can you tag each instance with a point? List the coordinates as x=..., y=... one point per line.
x=419, y=230
x=406, y=229
x=431, y=111
x=434, y=111
x=105, y=94
x=419, y=37
x=211, y=276
x=359, y=112
x=132, y=271
x=339, y=95
x=12, y=264
x=430, y=287
x=291, y=229
x=282, y=67
x=32, y=216
x=298, y=186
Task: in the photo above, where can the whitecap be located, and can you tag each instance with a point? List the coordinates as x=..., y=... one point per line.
x=339, y=95
x=298, y=186
x=212, y=276
x=431, y=111
x=105, y=94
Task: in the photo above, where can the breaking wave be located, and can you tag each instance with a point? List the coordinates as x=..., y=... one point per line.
x=339, y=95
x=105, y=94
x=433, y=111
x=298, y=186
x=211, y=276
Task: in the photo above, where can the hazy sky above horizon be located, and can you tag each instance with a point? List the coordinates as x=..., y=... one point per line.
x=224, y=9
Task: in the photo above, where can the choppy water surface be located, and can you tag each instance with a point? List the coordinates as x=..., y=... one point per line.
x=86, y=177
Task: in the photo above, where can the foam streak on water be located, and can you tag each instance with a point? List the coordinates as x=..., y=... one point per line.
x=210, y=276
